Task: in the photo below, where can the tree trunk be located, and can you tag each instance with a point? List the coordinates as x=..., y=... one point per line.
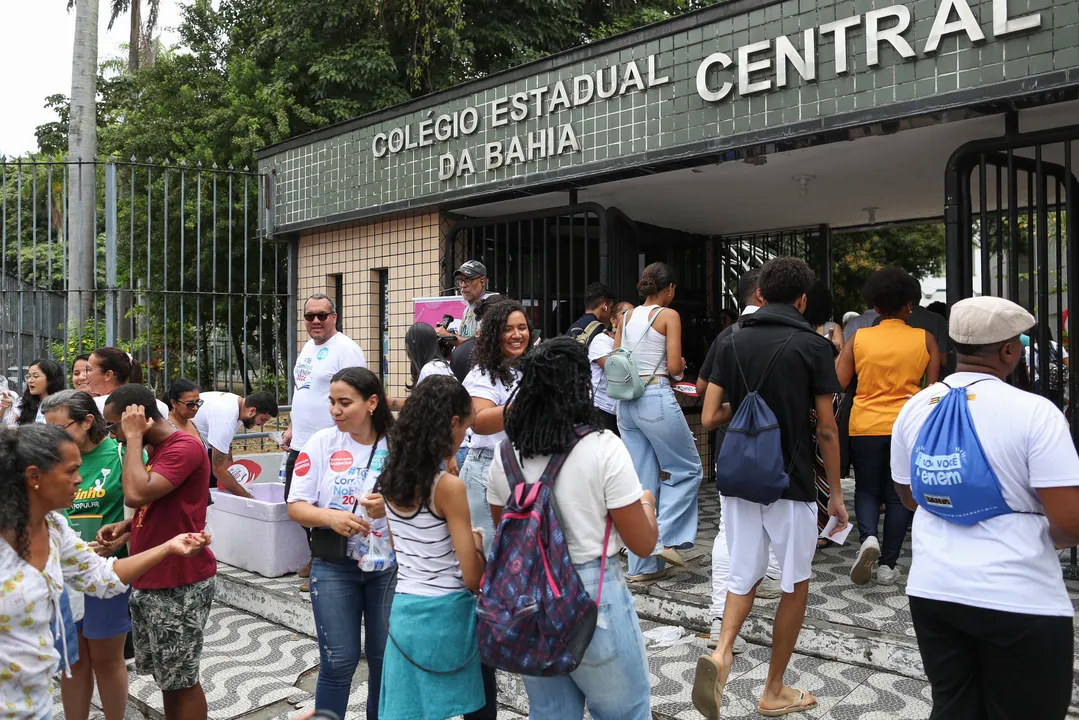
x=135, y=37
x=82, y=151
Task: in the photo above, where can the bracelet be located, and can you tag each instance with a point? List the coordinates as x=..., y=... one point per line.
x=645, y=502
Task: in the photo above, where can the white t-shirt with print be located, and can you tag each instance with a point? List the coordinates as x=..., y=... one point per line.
x=597, y=476
x=101, y=399
x=218, y=419
x=602, y=346
x=480, y=385
x=1006, y=563
x=315, y=366
x=332, y=472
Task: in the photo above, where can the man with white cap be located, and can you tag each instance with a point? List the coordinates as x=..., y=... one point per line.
x=994, y=477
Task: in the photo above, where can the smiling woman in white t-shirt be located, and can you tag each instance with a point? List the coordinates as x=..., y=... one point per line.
x=505, y=335
x=338, y=469
x=597, y=482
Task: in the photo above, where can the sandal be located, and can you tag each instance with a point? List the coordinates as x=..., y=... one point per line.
x=708, y=688
x=796, y=707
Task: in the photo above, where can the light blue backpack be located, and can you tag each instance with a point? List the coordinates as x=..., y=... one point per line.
x=623, y=376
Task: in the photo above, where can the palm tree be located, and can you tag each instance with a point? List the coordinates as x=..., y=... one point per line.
x=139, y=36
x=82, y=151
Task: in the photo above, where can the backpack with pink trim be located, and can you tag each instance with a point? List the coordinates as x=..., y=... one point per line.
x=535, y=616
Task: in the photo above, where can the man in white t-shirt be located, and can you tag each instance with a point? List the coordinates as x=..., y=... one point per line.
x=990, y=609
x=590, y=330
x=217, y=421
x=325, y=353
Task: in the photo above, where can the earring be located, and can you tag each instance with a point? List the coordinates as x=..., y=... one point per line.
x=37, y=487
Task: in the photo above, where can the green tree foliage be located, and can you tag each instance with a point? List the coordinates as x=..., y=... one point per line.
x=918, y=249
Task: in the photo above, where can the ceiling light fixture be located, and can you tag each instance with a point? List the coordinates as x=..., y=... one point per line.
x=872, y=213
x=804, y=181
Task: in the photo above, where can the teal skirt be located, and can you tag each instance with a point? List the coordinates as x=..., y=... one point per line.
x=439, y=634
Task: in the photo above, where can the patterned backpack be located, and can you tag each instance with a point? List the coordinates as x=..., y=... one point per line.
x=534, y=615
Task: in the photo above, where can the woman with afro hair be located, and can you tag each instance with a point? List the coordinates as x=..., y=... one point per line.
x=597, y=491
x=893, y=361
x=505, y=335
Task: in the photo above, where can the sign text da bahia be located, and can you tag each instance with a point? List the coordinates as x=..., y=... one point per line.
x=753, y=68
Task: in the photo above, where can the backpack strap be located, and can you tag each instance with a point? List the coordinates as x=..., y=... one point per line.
x=514, y=473
x=768, y=367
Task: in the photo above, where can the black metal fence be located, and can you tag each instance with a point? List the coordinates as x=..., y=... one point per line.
x=738, y=254
x=177, y=270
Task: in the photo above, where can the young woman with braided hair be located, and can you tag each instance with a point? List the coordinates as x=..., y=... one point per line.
x=597, y=484
x=505, y=335
x=440, y=564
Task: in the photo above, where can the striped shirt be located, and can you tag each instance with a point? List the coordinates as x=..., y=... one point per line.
x=427, y=563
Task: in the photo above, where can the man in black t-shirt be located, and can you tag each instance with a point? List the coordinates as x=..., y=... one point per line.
x=802, y=378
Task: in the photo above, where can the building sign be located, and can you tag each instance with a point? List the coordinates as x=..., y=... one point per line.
x=718, y=80
x=758, y=67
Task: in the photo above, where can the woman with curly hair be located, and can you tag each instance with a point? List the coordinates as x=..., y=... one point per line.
x=44, y=377
x=654, y=427
x=39, y=476
x=337, y=472
x=440, y=564
x=505, y=335
x=893, y=361
x=596, y=490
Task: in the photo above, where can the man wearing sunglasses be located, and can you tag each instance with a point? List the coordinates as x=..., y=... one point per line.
x=471, y=281
x=217, y=421
x=326, y=352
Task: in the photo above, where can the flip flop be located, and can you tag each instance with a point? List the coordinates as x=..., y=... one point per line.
x=797, y=707
x=708, y=688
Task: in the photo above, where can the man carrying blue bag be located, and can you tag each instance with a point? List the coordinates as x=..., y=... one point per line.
x=993, y=475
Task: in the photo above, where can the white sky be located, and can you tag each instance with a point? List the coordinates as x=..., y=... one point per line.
x=35, y=55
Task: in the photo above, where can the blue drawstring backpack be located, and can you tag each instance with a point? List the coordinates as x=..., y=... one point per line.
x=950, y=475
x=750, y=464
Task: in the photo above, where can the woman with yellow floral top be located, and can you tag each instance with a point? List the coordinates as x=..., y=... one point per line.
x=39, y=475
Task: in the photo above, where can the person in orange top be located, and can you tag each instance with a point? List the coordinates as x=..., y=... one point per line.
x=893, y=361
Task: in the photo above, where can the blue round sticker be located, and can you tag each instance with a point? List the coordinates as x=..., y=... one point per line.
x=323, y=353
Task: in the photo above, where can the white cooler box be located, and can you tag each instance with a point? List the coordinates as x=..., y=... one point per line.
x=257, y=534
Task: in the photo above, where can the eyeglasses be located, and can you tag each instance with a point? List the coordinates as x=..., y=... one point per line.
x=193, y=404
x=65, y=427
x=464, y=281
x=110, y=428
x=310, y=317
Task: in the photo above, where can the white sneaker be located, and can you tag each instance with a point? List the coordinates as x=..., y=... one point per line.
x=862, y=570
x=740, y=644
x=887, y=575
x=769, y=589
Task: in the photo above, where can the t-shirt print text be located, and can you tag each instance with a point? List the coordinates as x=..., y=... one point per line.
x=303, y=372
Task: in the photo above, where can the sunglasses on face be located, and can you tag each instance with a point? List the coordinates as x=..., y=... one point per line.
x=110, y=428
x=310, y=317
x=193, y=404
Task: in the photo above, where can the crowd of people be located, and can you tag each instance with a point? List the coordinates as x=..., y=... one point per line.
x=512, y=461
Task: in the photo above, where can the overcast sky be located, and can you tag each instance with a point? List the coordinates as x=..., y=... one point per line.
x=35, y=60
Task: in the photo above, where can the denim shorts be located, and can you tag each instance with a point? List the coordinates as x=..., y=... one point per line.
x=105, y=619
x=64, y=629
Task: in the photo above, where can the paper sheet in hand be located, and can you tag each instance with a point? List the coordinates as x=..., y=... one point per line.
x=841, y=536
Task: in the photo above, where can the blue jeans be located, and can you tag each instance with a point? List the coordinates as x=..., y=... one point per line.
x=657, y=436
x=343, y=597
x=871, y=456
x=613, y=678
x=474, y=473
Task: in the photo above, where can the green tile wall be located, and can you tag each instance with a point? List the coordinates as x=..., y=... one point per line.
x=340, y=175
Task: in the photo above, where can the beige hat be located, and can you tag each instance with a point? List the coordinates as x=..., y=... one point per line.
x=986, y=320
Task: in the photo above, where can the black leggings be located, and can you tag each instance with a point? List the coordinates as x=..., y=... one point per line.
x=993, y=665
x=489, y=711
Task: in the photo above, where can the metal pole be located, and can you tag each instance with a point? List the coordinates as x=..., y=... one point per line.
x=110, y=254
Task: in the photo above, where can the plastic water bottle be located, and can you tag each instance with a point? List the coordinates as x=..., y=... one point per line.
x=282, y=473
x=374, y=550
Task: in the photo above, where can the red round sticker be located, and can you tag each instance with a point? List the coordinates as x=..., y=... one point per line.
x=341, y=461
x=302, y=466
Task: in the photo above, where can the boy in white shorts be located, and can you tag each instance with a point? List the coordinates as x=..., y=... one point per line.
x=792, y=368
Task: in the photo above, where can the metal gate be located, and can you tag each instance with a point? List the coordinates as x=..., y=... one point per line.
x=545, y=258
x=738, y=254
x=1011, y=231
x=182, y=275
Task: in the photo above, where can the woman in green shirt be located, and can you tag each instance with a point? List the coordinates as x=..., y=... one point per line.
x=99, y=501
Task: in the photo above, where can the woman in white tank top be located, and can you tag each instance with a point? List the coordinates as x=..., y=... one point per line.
x=431, y=667
x=653, y=426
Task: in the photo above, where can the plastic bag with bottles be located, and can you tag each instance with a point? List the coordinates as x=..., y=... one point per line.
x=374, y=551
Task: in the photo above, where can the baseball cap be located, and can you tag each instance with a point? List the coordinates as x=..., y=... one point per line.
x=986, y=320
x=848, y=316
x=472, y=269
